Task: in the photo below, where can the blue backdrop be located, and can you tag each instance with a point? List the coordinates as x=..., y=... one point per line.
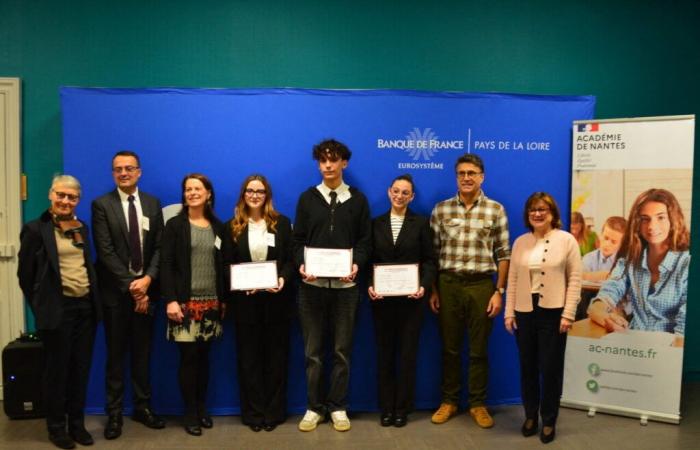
x=227, y=134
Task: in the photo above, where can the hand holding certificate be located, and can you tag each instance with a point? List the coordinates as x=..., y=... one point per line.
x=393, y=280
x=252, y=276
x=328, y=262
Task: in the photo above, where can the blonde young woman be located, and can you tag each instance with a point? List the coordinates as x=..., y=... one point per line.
x=259, y=233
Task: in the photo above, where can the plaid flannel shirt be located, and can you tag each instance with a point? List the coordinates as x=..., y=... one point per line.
x=470, y=240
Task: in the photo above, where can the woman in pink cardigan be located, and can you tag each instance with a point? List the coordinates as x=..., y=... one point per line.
x=544, y=287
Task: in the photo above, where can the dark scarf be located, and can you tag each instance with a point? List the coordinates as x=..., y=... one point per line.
x=71, y=227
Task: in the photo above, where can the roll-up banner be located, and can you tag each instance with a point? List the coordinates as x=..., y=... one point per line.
x=631, y=201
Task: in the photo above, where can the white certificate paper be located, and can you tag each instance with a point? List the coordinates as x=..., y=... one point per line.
x=254, y=275
x=392, y=280
x=328, y=262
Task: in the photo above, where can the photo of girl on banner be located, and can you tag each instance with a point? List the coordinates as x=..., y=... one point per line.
x=648, y=285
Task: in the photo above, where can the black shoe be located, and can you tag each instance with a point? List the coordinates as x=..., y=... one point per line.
x=400, y=420
x=546, y=438
x=146, y=417
x=81, y=436
x=255, y=427
x=206, y=422
x=269, y=426
x=386, y=420
x=529, y=427
x=194, y=430
x=114, y=426
x=61, y=440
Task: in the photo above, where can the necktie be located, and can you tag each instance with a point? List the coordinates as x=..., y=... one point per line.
x=134, y=237
x=334, y=199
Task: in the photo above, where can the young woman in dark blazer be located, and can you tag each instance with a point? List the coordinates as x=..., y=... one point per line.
x=193, y=284
x=59, y=283
x=259, y=233
x=400, y=237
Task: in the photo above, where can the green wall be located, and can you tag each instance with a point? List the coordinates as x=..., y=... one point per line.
x=639, y=58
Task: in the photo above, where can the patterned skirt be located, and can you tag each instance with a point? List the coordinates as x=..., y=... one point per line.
x=202, y=321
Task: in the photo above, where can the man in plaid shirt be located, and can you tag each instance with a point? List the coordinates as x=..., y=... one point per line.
x=471, y=237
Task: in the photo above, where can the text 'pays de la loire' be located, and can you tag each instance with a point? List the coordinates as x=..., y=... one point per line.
x=512, y=145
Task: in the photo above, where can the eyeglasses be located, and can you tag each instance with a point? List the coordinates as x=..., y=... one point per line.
x=468, y=174
x=127, y=169
x=254, y=192
x=534, y=211
x=66, y=196
x=399, y=192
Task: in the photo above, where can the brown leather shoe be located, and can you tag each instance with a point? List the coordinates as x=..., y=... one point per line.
x=481, y=416
x=444, y=412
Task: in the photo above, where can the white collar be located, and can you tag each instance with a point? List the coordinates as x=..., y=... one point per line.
x=343, y=192
x=124, y=197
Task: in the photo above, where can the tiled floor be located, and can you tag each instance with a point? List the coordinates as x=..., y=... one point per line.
x=575, y=431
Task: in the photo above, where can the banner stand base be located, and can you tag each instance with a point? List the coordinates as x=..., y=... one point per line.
x=643, y=416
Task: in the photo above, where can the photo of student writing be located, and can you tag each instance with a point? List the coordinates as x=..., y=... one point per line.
x=598, y=263
x=587, y=239
x=651, y=270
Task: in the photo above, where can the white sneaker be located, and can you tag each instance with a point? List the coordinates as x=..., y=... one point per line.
x=340, y=420
x=310, y=421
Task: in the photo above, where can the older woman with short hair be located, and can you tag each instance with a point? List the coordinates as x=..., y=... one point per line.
x=59, y=282
x=544, y=287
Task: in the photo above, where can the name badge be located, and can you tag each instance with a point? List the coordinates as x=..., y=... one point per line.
x=217, y=243
x=270, y=238
x=146, y=223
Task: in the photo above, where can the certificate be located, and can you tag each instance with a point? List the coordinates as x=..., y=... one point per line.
x=254, y=275
x=392, y=280
x=328, y=262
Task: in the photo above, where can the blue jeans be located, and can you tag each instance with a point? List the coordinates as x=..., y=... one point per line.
x=321, y=311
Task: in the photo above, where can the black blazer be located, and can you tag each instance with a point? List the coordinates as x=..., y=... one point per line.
x=40, y=275
x=112, y=245
x=277, y=305
x=413, y=245
x=175, y=260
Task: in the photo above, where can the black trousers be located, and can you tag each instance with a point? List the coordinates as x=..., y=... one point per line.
x=194, y=378
x=68, y=355
x=262, y=348
x=127, y=331
x=542, y=348
x=397, y=324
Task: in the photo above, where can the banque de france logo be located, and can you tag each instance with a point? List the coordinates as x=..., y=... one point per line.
x=419, y=143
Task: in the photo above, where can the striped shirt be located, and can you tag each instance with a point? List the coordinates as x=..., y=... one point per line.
x=396, y=224
x=470, y=240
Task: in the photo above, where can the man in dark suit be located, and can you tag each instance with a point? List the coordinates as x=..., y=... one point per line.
x=127, y=226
